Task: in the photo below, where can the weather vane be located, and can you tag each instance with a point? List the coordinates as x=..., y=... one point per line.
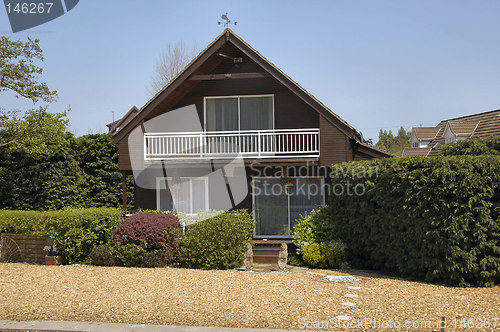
x=227, y=22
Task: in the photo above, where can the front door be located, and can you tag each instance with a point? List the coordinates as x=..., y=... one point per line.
x=279, y=202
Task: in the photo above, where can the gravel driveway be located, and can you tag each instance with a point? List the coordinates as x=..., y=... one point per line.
x=174, y=296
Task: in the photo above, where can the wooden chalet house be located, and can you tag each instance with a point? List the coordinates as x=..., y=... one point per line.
x=242, y=98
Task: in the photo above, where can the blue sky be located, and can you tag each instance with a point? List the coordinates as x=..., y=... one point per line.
x=377, y=64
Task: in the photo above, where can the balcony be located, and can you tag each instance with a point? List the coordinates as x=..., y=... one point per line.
x=277, y=143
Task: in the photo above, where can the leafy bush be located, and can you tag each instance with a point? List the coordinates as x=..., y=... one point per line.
x=189, y=219
x=153, y=231
x=436, y=218
x=218, y=242
x=321, y=255
x=155, y=258
x=77, y=231
x=313, y=227
x=474, y=146
x=129, y=254
x=126, y=255
x=102, y=255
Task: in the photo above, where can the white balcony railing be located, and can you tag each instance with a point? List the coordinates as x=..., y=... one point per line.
x=277, y=143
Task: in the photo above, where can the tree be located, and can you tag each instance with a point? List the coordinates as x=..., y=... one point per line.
x=37, y=130
x=38, y=169
x=19, y=72
x=170, y=63
x=50, y=169
x=474, y=146
x=98, y=159
x=393, y=144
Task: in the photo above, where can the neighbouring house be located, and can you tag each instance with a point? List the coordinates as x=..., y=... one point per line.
x=245, y=106
x=425, y=141
x=116, y=125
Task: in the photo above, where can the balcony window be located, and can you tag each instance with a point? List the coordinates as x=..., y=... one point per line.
x=239, y=113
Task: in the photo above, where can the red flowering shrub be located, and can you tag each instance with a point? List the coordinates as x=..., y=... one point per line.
x=153, y=232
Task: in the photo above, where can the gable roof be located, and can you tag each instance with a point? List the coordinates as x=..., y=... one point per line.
x=489, y=123
x=483, y=125
x=415, y=152
x=463, y=127
x=425, y=132
x=116, y=125
x=228, y=36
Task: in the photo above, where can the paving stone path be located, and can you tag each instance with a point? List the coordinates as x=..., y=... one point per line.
x=348, y=295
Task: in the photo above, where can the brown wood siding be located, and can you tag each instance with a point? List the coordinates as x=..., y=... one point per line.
x=334, y=145
x=144, y=199
x=361, y=156
x=290, y=112
x=123, y=155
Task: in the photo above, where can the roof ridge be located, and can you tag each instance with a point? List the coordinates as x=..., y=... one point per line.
x=467, y=116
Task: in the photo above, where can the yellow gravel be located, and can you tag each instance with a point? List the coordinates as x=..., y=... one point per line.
x=173, y=296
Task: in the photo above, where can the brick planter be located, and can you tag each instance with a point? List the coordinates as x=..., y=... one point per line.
x=52, y=260
x=30, y=247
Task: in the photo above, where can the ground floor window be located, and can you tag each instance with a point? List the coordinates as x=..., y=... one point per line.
x=184, y=194
x=278, y=202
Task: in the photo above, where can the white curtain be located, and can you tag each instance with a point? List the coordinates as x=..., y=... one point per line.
x=306, y=195
x=198, y=195
x=276, y=210
x=271, y=207
x=222, y=114
x=180, y=190
x=165, y=199
x=256, y=113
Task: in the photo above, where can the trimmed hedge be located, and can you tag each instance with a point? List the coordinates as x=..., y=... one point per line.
x=218, y=242
x=23, y=222
x=436, y=218
x=75, y=231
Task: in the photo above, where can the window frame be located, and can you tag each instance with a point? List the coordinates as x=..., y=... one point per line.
x=288, y=202
x=205, y=178
x=239, y=108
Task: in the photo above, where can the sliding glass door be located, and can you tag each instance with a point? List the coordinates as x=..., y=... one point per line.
x=188, y=195
x=279, y=203
x=222, y=114
x=239, y=113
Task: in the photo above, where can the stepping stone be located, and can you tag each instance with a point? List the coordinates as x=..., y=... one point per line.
x=351, y=296
x=349, y=279
x=353, y=287
x=349, y=304
x=343, y=317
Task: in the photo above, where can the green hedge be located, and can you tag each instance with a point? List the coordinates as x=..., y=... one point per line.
x=23, y=222
x=75, y=231
x=218, y=242
x=429, y=218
